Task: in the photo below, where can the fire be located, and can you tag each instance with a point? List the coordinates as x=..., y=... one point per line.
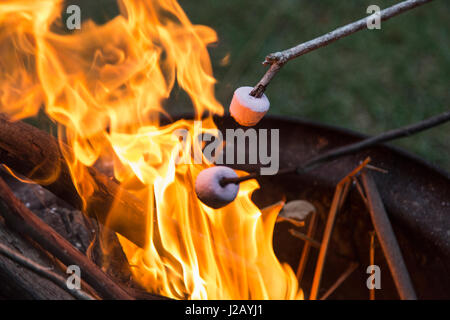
x=105, y=86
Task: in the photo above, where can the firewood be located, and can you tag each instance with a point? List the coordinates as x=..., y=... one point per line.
x=43, y=271
x=36, y=155
x=18, y=282
x=20, y=219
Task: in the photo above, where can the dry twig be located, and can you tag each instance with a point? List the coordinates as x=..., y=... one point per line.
x=339, y=197
x=372, y=258
x=305, y=252
x=352, y=267
x=305, y=238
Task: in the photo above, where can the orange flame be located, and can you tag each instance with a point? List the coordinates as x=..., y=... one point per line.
x=105, y=86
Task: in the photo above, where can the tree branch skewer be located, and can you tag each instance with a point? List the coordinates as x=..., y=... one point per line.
x=278, y=59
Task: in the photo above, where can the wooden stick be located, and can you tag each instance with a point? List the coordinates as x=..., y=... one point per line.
x=339, y=197
x=352, y=267
x=43, y=271
x=325, y=242
x=19, y=218
x=18, y=282
x=381, y=138
x=360, y=190
x=387, y=239
x=306, y=248
x=278, y=59
x=36, y=155
x=305, y=238
x=372, y=259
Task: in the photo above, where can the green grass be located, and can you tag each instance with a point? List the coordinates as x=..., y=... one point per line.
x=370, y=82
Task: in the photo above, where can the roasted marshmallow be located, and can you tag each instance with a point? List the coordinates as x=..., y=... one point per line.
x=246, y=109
x=211, y=192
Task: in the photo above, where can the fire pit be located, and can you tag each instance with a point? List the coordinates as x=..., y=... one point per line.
x=146, y=230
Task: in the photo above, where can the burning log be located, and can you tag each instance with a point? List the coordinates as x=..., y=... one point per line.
x=41, y=270
x=36, y=155
x=19, y=218
x=20, y=282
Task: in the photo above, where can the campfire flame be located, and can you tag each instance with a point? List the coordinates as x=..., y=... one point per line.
x=105, y=86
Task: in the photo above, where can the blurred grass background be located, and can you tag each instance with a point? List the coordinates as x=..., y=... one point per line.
x=370, y=82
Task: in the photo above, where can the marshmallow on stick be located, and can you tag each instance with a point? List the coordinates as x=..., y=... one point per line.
x=246, y=109
x=209, y=189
